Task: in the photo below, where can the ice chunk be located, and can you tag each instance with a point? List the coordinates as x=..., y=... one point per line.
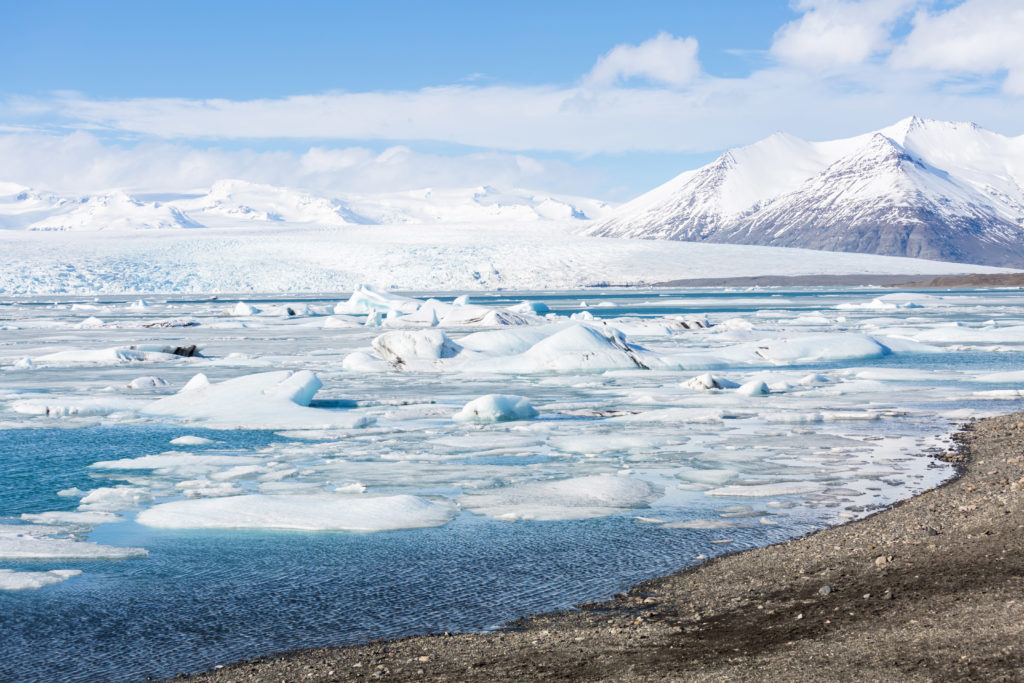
x=181, y=463
x=575, y=348
x=63, y=407
x=496, y=408
x=189, y=440
x=112, y=355
x=403, y=345
x=533, y=307
x=708, y=381
x=576, y=498
x=782, y=488
x=111, y=498
x=700, y=524
x=242, y=309
x=821, y=347
x=81, y=519
x=201, y=488
x=32, y=542
x=753, y=388
x=267, y=400
x=366, y=298
x=325, y=512
x=148, y=383
x=505, y=342
x=11, y=580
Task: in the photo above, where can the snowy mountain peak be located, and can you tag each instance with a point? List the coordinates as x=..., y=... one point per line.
x=924, y=188
x=115, y=210
x=232, y=203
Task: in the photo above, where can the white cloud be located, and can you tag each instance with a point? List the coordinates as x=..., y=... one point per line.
x=829, y=79
x=80, y=162
x=710, y=114
x=833, y=33
x=978, y=37
x=664, y=59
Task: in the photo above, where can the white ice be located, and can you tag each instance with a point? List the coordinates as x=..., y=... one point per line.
x=496, y=408
x=325, y=512
x=11, y=580
x=574, y=498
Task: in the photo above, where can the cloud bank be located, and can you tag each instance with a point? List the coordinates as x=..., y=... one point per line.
x=839, y=68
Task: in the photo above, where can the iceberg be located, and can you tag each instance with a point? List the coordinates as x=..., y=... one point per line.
x=314, y=512
x=266, y=400
x=496, y=408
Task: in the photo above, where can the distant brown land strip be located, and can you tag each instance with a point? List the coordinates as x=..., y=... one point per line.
x=930, y=589
x=821, y=280
x=976, y=280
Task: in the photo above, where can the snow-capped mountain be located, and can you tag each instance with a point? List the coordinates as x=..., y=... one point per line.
x=920, y=188
x=21, y=206
x=478, y=204
x=239, y=203
x=114, y=211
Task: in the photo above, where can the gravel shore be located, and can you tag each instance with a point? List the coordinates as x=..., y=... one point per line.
x=930, y=589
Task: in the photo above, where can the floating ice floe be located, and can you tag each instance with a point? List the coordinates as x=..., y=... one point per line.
x=112, y=498
x=73, y=518
x=701, y=524
x=782, y=488
x=59, y=406
x=324, y=512
x=754, y=387
x=11, y=580
x=398, y=347
x=496, y=408
x=577, y=498
x=181, y=464
x=707, y=381
x=111, y=355
x=242, y=309
x=190, y=440
x=148, y=383
x=267, y=400
x=37, y=542
x=409, y=312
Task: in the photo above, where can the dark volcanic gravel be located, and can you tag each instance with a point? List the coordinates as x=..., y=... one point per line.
x=931, y=589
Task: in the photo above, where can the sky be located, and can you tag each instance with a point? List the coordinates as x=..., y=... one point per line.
x=600, y=99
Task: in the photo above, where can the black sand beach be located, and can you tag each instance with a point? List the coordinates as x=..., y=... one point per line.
x=930, y=589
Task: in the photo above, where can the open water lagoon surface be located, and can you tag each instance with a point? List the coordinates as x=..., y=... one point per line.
x=374, y=513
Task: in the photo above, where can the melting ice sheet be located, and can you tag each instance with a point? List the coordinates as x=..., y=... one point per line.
x=472, y=458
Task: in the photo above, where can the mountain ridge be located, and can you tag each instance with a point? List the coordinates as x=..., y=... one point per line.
x=926, y=189
x=239, y=203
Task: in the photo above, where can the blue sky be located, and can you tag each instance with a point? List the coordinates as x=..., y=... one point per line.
x=598, y=98
x=242, y=50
